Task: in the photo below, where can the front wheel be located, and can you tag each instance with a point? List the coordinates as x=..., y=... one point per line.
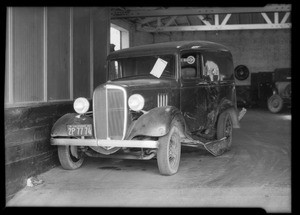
x=168, y=154
x=69, y=157
x=275, y=103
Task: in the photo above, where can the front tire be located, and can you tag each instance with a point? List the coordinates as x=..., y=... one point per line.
x=275, y=103
x=67, y=159
x=168, y=154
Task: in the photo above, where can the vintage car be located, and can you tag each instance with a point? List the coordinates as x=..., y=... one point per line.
x=281, y=90
x=158, y=98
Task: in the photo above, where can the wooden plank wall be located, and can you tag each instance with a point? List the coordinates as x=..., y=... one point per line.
x=27, y=147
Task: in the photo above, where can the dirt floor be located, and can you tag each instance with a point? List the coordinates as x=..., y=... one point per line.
x=255, y=173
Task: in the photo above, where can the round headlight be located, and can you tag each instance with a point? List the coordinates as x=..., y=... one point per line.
x=136, y=102
x=81, y=105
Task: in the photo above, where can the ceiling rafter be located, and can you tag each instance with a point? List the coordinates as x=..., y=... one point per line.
x=212, y=21
x=222, y=24
x=115, y=13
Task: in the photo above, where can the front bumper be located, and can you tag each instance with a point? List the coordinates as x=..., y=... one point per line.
x=105, y=143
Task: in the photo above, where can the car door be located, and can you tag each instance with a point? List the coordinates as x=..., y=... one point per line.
x=193, y=99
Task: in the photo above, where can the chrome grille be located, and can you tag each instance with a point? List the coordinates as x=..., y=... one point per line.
x=162, y=100
x=110, y=112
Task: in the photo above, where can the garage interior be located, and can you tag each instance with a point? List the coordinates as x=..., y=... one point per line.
x=57, y=54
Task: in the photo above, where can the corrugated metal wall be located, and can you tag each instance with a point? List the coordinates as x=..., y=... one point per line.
x=58, y=53
x=27, y=54
x=50, y=53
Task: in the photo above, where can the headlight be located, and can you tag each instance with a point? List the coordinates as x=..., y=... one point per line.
x=81, y=105
x=136, y=102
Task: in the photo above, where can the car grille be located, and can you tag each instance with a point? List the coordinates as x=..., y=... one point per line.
x=110, y=112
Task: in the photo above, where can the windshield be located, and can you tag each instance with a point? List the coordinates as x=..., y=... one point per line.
x=159, y=65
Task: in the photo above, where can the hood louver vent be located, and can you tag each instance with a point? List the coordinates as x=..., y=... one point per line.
x=162, y=100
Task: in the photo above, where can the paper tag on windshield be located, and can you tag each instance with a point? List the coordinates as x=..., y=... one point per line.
x=159, y=67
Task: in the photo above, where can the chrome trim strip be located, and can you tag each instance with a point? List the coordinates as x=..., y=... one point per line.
x=105, y=143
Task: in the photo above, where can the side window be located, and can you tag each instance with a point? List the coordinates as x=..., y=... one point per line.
x=211, y=70
x=217, y=66
x=189, y=66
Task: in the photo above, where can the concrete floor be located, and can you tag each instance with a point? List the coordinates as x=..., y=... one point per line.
x=255, y=173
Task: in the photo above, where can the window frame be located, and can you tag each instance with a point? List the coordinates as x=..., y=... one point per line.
x=199, y=66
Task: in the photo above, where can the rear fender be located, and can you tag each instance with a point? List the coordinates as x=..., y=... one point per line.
x=60, y=126
x=156, y=122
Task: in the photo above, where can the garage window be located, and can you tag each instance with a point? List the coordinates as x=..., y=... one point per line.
x=119, y=37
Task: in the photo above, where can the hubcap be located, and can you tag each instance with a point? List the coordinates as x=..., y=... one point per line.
x=275, y=103
x=172, y=151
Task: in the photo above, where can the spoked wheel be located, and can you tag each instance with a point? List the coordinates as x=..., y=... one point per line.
x=224, y=128
x=275, y=103
x=70, y=157
x=168, y=154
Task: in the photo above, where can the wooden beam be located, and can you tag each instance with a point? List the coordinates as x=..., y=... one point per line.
x=172, y=19
x=217, y=19
x=218, y=28
x=188, y=21
x=266, y=18
x=276, y=18
x=192, y=11
x=148, y=19
x=286, y=16
x=225, y=20
x=203, y=20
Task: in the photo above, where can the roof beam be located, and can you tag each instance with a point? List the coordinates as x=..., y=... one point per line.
x=204, y=20
x=266, y=18
x=225, y=20
x=115, y=14
x=172, y=19
x=217, y=28
x=149, y=19
x=284, y=19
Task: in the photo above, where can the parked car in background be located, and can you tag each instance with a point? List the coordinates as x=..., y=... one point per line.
x=281, y=90
x=158, y=98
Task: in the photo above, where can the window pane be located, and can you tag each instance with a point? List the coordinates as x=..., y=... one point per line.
x=81, y=52
x=58, y=53
x=115, y=38
x=27, y=56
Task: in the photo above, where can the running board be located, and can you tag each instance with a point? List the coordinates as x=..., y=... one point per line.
x=215, y=147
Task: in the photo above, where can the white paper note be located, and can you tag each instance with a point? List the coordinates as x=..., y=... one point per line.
x=159, y=67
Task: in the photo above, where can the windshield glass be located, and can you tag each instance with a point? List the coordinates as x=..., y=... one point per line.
x=158, y=66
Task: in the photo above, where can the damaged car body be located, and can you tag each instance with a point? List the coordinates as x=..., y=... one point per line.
x=158, y=98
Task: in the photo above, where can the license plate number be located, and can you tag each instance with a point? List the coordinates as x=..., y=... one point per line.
x=79, y=130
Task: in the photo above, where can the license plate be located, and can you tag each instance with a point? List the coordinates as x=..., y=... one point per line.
x=79, y=130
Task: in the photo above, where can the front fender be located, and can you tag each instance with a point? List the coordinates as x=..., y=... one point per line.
x=155, y=123
x=60, y=126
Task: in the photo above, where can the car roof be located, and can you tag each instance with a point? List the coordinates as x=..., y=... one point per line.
x=167, y=47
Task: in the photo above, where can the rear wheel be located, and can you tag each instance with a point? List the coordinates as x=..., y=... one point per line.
x=275, y=103
x=224, y=128
x=168, y=154
x=69, y=157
